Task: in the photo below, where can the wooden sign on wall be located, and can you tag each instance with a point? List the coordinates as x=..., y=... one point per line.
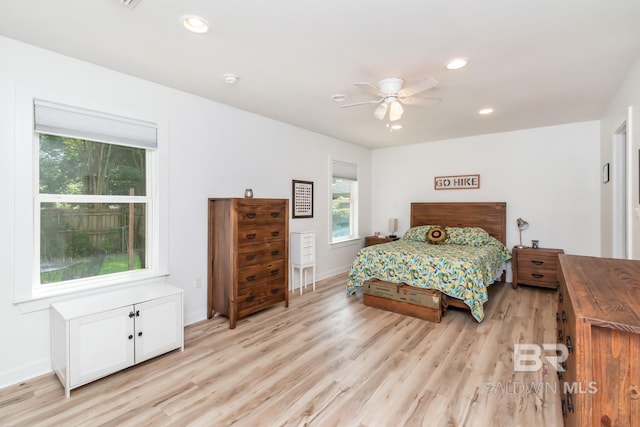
x=457, y=182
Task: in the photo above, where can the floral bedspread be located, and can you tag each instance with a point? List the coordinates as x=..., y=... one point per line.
x=459, y=271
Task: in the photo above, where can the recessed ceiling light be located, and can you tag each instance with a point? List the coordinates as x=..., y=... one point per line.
x=195, y=24
x=457, y=63
x=485, y=111
x=230, y=79
x=339, y=97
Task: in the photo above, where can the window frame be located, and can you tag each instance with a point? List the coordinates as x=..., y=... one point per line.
x=353, y=199
x=28, y=294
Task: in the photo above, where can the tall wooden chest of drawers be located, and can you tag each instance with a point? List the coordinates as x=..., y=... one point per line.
x=248, y=256
x=599, y=323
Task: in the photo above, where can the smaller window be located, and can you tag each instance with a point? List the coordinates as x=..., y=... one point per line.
x=344, y=197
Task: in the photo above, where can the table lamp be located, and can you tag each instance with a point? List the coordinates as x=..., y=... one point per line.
x=522, y=225
x=393, y=227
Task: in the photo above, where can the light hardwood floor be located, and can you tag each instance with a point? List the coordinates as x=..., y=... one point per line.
x=327, y=360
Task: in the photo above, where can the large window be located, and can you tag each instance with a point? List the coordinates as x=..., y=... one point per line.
x=344, y=198
x=93, y=200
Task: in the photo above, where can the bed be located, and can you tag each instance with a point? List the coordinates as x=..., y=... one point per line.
x=461, y=270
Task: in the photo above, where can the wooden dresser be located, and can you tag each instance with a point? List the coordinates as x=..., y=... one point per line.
x=248, y=256
x=599, y=322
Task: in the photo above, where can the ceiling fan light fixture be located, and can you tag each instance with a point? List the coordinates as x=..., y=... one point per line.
x=381, y=111
x=395, y=111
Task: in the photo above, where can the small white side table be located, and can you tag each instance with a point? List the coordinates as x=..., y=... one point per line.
x=303, y=256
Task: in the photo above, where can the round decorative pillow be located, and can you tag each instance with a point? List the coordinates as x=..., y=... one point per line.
x=436, y=235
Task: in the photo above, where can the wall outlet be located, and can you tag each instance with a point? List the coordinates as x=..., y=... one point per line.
x=199, y=282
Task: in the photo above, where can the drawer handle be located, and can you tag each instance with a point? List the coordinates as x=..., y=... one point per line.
x=569, y=344
x=275, y=233
x=559, y=375
x=537, y=275
x=251, y=236
x=251, y=298
x=251, y=278
x=560, y=336
x=251, y=257
x=275, y=214
x=274, y=290
x=275, y=252
x=569, y=402
x=564, y=409
x=557, y=317
x=560, y=297
x=537, y=262
x=564, y=316
x=274, y=272
x=251, y=215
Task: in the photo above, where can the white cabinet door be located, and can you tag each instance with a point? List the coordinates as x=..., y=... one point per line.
x=158, y=327
x=100, y=344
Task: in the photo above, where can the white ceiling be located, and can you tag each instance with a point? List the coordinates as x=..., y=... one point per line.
x=536, y=62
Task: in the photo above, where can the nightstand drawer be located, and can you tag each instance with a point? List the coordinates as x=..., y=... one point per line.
x=541, y=261
x=528, y=274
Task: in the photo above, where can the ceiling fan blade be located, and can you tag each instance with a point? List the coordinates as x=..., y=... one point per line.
x=418, y=87
x=381, y=111
x=423, y=102
x=355, y=104
x=369, y=88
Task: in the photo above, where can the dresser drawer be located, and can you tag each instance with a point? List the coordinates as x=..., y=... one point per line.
x=258, y=297
x=256, y=274
x=250, y=212
x=259, y=254
x=255, y=233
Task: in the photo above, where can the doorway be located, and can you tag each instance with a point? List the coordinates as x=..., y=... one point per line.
x=619, y=178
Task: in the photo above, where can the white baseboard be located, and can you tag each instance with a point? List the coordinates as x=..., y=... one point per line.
x=26, y=372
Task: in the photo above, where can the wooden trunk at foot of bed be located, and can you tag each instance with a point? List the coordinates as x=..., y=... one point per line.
x=426, y=304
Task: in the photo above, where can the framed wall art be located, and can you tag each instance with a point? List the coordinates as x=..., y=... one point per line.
x=302, y=195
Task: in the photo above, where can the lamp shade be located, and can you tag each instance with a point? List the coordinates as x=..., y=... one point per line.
x=393, y=225
x=522, y=224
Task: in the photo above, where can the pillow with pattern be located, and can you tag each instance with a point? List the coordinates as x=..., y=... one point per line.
x=437, y=235
x=417, y=234
x=469, y=236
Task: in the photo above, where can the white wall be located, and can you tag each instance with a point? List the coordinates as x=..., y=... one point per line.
x=628, y=95
x=548, y=176
x=215, y=151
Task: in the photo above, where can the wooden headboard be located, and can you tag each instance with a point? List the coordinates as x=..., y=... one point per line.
x=492, y=216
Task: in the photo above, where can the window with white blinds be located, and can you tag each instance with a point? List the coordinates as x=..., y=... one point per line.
x=94, y=204
x=344, y=201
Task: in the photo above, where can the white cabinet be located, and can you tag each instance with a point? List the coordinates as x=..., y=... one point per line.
x=303, y=256
x=98, y=335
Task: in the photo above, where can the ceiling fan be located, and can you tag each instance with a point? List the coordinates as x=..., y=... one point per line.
x=391, y=95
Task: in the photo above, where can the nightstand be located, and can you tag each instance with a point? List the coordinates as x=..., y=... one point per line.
x=535, y=267
x=375, y=240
